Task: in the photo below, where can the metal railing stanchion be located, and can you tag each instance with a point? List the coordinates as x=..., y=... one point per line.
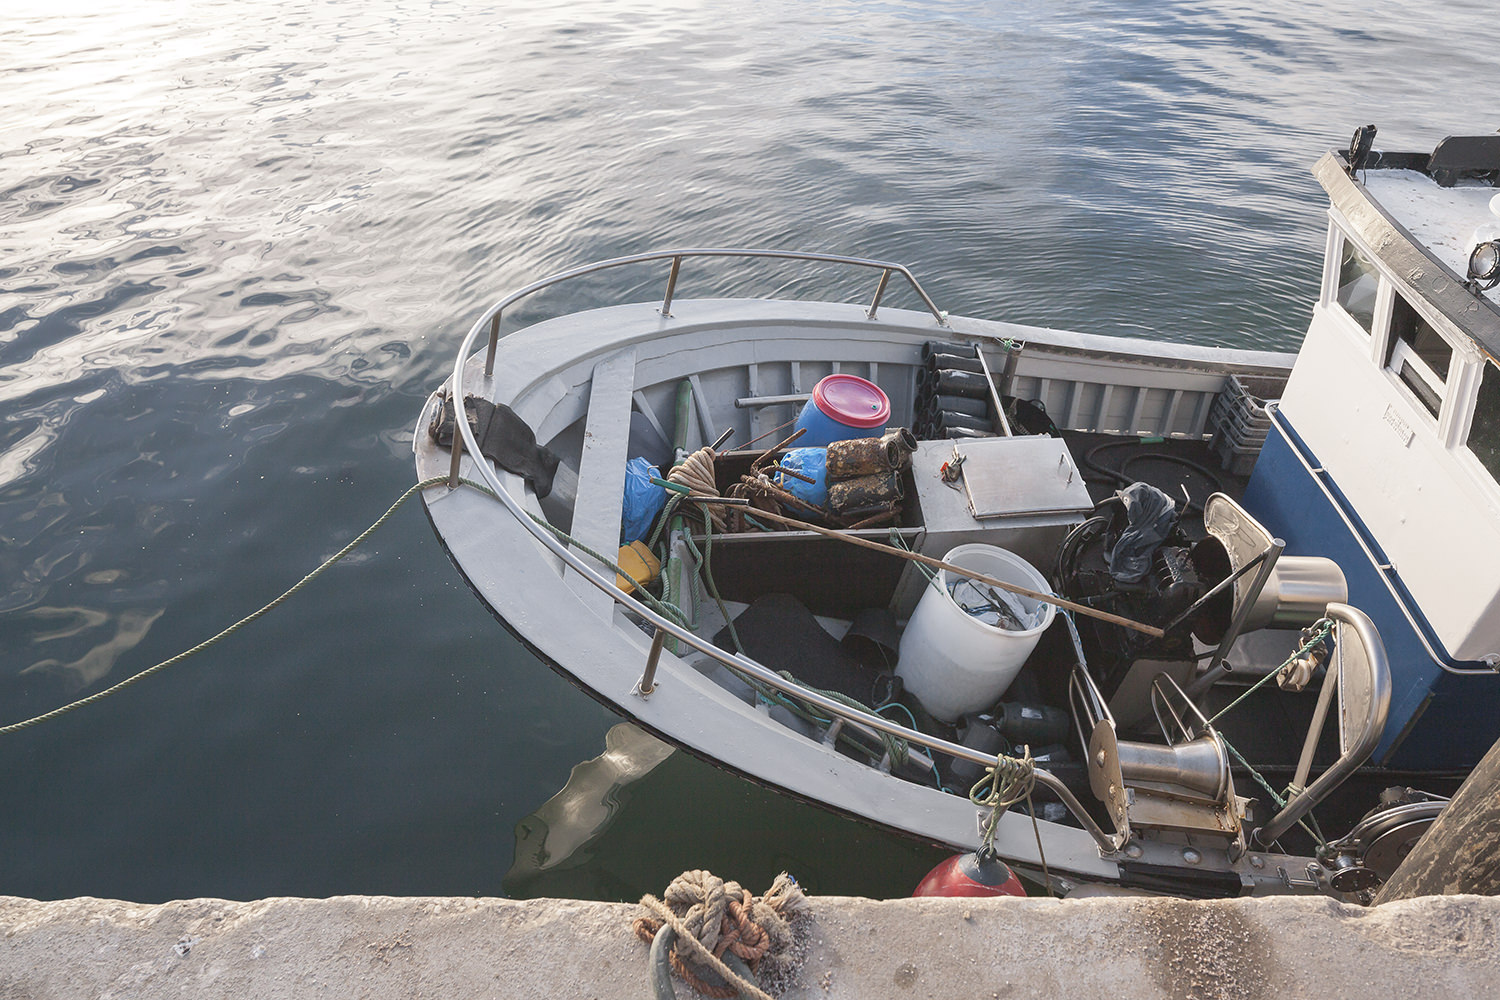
x=885, y=279
x=648, y=676
x=489, y=358
x=666, y=301
x=458, y=446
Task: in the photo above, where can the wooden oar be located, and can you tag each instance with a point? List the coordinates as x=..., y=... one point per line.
x=866, y=543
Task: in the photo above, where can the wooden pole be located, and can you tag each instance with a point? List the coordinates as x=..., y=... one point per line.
x=866, y=543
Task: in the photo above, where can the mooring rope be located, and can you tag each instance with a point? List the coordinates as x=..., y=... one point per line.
x=712, y=917
x=663, y=608
x=895, y=747
x=1009, y=781
x=226, y=633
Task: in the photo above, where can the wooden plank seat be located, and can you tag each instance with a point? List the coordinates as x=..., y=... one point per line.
x=601, y=471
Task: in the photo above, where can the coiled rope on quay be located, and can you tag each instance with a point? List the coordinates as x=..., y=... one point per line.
x=711, y=925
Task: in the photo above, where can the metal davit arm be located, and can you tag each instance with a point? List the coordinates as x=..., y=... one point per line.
x=1362, y=676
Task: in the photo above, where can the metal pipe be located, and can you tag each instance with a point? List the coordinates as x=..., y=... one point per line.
x=458, y=444
x=1008, y=373
x=989, y=381
x=1315, y=729
x=666, y=301
x=489, y=358
x=648, y=676
x=1362, y=630
x=885, y=277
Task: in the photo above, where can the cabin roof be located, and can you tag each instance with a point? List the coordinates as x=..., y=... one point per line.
x=1419, y=213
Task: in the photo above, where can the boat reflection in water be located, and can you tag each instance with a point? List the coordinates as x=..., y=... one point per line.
x=641, y=813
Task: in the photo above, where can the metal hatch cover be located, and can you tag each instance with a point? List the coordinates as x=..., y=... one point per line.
x=1007, y=476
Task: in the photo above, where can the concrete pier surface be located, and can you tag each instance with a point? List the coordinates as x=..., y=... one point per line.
x=386, y=948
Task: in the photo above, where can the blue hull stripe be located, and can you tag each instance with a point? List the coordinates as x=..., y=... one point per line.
x=1444, y=713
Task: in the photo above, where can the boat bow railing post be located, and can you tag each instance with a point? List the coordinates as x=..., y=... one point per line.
x=489, y=357
x=647, y=683
x=458, y=449
x=885, y=279
x=666, y=300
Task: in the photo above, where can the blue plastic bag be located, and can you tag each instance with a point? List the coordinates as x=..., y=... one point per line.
x=813, y=463
x=643, y=500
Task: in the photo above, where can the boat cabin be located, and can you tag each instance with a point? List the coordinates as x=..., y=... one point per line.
x=1385, y=445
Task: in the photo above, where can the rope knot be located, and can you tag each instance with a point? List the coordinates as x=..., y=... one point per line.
x=712, y=916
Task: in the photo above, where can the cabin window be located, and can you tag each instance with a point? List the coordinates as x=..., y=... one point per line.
x=1358, y=283
x=1418, y=354
x=1484, y=433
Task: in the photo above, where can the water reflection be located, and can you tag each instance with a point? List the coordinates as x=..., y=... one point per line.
x=130, y=627
x=641, y=813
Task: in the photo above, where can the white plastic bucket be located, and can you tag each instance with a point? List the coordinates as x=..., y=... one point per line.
x=954, y=663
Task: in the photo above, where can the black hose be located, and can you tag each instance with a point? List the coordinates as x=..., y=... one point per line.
x=1120, y=477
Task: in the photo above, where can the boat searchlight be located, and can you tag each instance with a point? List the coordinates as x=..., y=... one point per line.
x=1484, y=265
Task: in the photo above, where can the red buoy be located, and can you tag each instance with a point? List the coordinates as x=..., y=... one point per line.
x=971, y=874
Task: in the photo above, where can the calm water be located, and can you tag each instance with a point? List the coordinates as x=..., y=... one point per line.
x=238, y=242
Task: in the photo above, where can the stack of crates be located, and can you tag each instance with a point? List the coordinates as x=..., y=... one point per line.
x=1239, y=420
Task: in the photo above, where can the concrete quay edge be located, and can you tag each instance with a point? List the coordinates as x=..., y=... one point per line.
x=383, y=948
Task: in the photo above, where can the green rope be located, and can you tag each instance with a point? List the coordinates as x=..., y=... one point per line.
x=656, y=604
x=896, y=747
x=706, y=574
x=664, y=609
x=898, y=540
x=1259, y=778
x=1313, y=831
x=226, y=633
x=1009, y=781
x=1322, y=629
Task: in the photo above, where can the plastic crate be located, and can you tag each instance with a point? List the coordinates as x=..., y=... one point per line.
x=1239, y=421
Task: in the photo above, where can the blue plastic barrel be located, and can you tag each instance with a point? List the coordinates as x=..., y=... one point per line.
x=843, y=407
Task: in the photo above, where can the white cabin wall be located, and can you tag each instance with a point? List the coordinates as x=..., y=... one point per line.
x=1385, y=452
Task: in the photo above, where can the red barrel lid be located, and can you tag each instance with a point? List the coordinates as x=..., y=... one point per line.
x=852, y=401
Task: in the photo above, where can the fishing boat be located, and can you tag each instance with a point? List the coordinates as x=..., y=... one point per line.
x=1133, y=616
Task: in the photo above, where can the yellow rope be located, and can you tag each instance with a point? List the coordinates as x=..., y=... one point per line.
x=226, y=633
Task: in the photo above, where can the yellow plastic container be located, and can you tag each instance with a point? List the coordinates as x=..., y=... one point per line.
x=639, y=561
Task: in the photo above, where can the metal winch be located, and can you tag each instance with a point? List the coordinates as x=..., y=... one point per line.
x=1183, y=786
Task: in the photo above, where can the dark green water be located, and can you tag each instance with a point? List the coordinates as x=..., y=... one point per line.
x=238, y=243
